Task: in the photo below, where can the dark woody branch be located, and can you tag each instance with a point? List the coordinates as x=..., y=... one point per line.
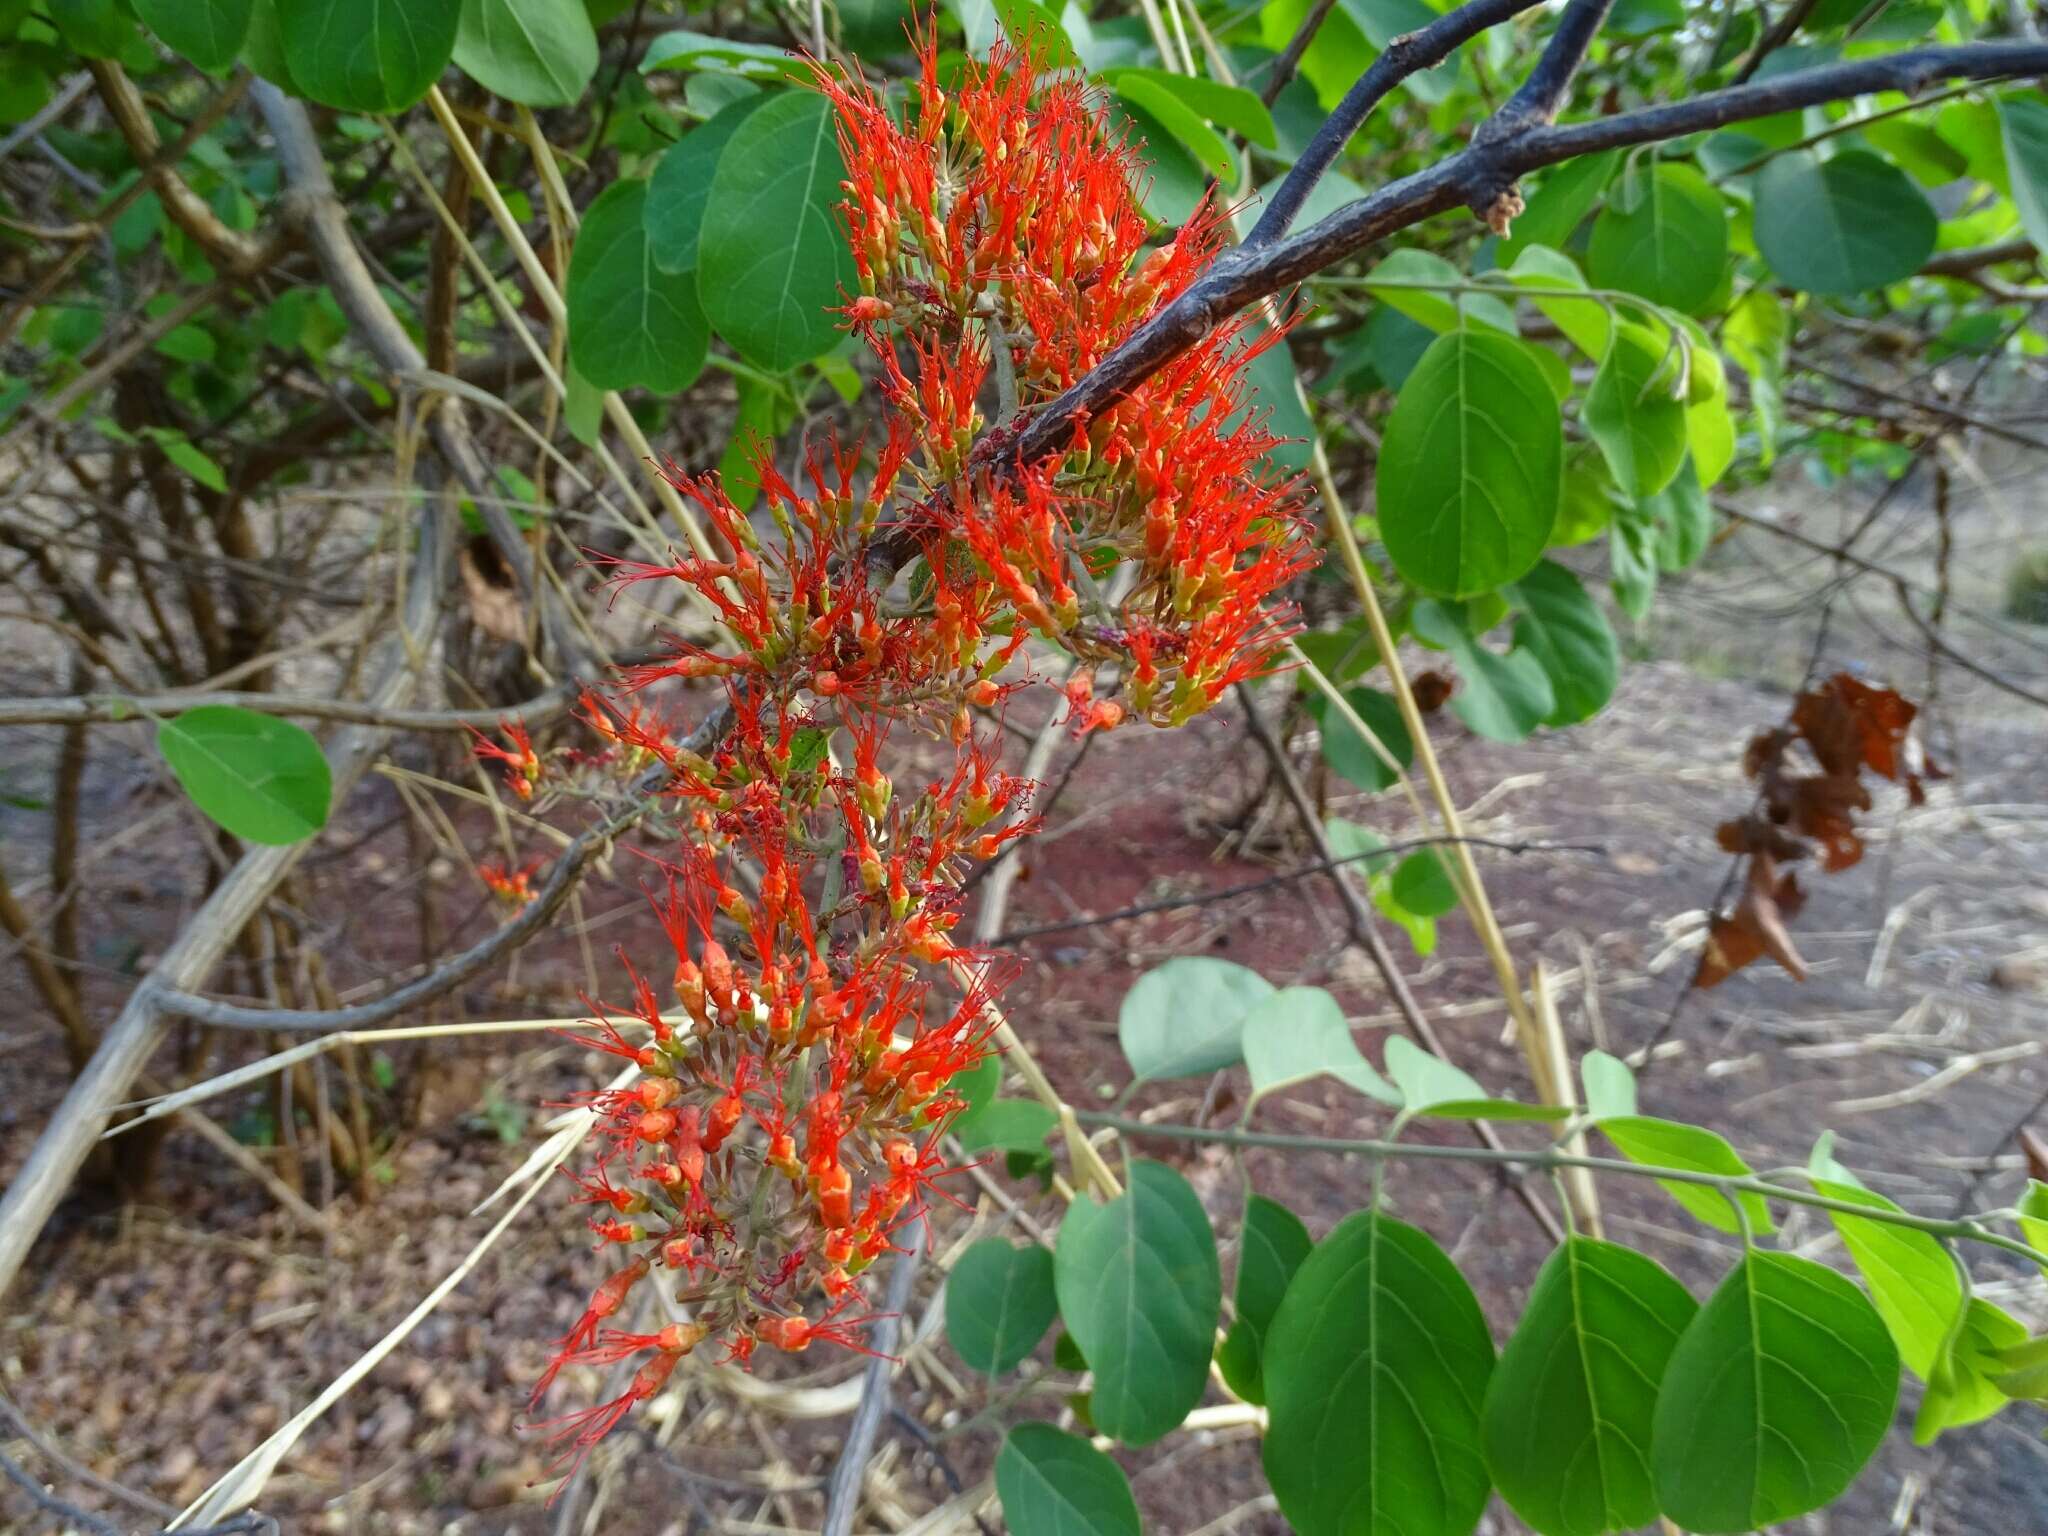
x=1478, y=177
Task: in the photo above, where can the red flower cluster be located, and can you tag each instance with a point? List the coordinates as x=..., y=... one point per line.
x=786, y=1120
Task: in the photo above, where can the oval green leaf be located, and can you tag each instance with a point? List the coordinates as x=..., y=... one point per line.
x=367, y=55
x=1560, y=204
x=630, y=324
x=1186, y=1017
x=1271, y=1248
x=1610, y=1085
x=1140, y=1289
x=999, y=1302
x=540, y=53
x=207, y=32
x=1347, y=752
x=1635, y=410
x=1375, y=1368
x=1664, y=235
x=1564, y=629
x=2024, y=121
x=1056, y=1484
x=1299, y=1033
x=1843, y=225
x=1776, y=1395
x=772, y=262
x=1503, y=698
x=1422, y=885
x=680, y=185
x=263, y=779
x=1667, y=1144
x=1567, y=1418
x=1913, y=1281
x=1470, y=465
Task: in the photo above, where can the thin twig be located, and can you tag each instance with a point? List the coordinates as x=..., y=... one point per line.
x=1287, y=877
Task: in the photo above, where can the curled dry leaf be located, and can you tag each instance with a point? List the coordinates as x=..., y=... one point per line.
x=1432, y=690
x=1757, y=925
x=487, y=581
x=1845, y=726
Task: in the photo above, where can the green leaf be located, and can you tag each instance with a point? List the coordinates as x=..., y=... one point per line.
x=1210, y=149
x=1469, y=466
x=1269, y=1251
x=2024, y=122
x=1425, y=288
x=1913, y=1281
x=1664, y=235
x=367, y=55
x=1564, y=629
x=1756, y=335
x=1227, y=106
x=183, y=453
x=1843, y=225
x=1683, y=519
x=1394, y=343
x=630, y=324
x=999, y=1302
x=1632, y=549
x=1350, y=841
x=1034, y=27
x=207, y=32
x=1635, y=410
x=1140, y=1289
x=540, y=53
x=1610, y=1085
x=1004, y=1125
x=262, y=778
x=1056, y=1484
x=2022, y=1366
x=1274, y=391
x=188, y=344
x=683, y=49
x=1171, y=179
x=2033, y=1210
x=99, y=29
x=772, y=261
x=1375, y=1368
x=263, y=47
x=582, y=406
x=1568, y=1412
x=1429, y=1085
x=1585, y=322
x=1560, y=204
x=680, y=185
x=872, y=26
x=1425, y=1080
x=1777, y=1394
x=1504, y=698
x=1347, y=752
x=1422, y=884
x=1299, y=1033
x=1186, y=1017
x=1667, y=1144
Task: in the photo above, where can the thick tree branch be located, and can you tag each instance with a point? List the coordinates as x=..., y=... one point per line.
x=241, y=254
x=1281, y=72
x=1539, y=97
x=1406, y=55
x=1477, y=177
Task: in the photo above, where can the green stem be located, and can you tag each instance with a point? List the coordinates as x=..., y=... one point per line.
x=1551, y=1158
